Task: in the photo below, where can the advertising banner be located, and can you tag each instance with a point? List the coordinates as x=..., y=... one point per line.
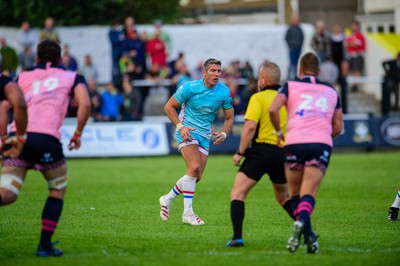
x=388, y=131
x=118, y=139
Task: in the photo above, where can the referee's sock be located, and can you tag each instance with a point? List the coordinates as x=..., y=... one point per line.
x=288, y=208
x=237, y=217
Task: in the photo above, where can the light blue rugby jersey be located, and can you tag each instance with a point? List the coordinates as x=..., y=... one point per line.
x=200, y=105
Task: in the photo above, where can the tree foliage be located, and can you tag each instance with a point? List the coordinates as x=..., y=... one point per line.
x=87, y=12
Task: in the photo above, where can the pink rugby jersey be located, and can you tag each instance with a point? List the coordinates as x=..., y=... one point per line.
x=311, y=105
x=47, y=91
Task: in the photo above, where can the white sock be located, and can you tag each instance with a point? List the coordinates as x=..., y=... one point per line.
x=396, y=202
x=188, y=186
x=176, y=190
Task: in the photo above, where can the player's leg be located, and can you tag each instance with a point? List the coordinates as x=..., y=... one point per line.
x=241, y=187
x=11, y=181
x=294, y=179
x=57, y=183
x=166, y=200
x=394, y=209
x=193, y=159
x=311, y=182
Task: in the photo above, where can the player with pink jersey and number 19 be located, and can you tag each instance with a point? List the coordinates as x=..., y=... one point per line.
x=314, y=118
x=47, y=89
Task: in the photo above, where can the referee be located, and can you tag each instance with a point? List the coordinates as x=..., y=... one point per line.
x=264, y=156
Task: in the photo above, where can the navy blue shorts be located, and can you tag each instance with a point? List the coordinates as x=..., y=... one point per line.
x=307, y=154
x=264, y=159
x=41, y=152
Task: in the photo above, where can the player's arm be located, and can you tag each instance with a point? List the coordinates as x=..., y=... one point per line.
x=337, y=122
x=170, y=110
x=229, y=119
x=81, y=97
x=276, y=105
x=15, y=97
x=4, y=107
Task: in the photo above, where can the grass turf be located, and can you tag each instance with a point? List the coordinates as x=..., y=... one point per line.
x=111, y=216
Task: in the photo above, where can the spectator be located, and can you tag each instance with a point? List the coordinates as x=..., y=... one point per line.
x=231, y=82
x=355, y=50
x=247, y=71
x=111, y=103
x=136, y=50
x=132, y=100
x=320, y=41
x=89, y=71
x=294, y=39
x=26, y=37
x=27, y=59
x=95, y=100
x=133, y=71
x=163, y=36
x=69, y=61
x=9, y=59
x=392, y=74
x=337, y=47
x=181, y=77
x=117, y=37
x=246, y=93
x=49, y=31
x=129, y=26
x=328, y=72
x=173, y=65
x=155, y=48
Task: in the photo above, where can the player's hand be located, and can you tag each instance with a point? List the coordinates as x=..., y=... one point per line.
x=237, y=159
x=16, y=147
x=75, y=141
x=185, y=133
x=280, y=140
x=221, y=136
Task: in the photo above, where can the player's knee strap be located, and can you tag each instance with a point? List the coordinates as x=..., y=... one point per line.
x=11, y=182
x=58, y=183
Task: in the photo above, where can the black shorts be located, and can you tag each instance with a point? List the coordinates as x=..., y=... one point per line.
x=41, y=152
x=356, y=63
x=307, y=154
x=264, y=159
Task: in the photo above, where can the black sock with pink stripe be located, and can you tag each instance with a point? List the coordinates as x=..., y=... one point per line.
x=50, y=216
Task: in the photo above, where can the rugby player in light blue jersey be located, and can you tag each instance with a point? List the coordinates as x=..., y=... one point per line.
x=200, y=101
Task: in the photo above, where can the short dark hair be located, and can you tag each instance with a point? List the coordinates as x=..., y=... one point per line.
x=211, y=61
x=49, y=51
x=309, y=64
x=271, y=71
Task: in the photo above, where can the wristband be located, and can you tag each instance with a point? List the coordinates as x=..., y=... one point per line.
x=3, y=140
x=239, y=153
x=179, y=126
x=278, y=133
x=78, y=133
x=223, y=134
x=21, y=138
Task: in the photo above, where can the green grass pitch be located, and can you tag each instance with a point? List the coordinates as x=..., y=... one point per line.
x=111, y=216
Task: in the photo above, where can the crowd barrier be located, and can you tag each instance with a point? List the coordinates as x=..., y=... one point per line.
x=157, y=138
